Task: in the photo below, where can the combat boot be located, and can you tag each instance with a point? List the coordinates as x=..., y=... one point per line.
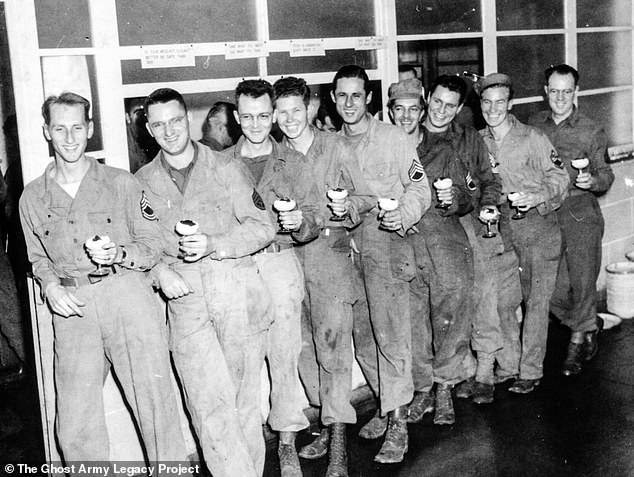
x=396, y=439
x=574, y=358
x=445, y=414
x=375, y=427
x=337, y=455
x=590, y=345
x=422, y=404
x=318, y=448
x=289, y=462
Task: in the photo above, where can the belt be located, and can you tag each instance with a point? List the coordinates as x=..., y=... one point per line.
x=88, y=279
x=328, y=231
x=275, y=247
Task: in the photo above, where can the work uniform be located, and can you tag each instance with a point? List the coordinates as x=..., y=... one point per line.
x=282, y=273
x=528, y=162
x=574, y=300
x=217, y=332
x=389, y=164
x=122, y=324
x=333, y=284
x=445, y=262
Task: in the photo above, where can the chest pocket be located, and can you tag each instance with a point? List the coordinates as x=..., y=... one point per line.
x=383, y=172
x=215, y=214
x=102, y=222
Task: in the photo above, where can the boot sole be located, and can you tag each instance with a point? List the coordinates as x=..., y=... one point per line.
x=382, y=460
x=312, y=456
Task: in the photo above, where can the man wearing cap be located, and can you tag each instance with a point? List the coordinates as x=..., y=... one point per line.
x=388, y=162
x=534, y=184
x=217, y=300
x=576, y=138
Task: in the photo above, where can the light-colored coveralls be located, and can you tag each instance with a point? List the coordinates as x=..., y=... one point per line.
x=389, y=164
x=528, y=162
x=217, y=332
x=122, y=325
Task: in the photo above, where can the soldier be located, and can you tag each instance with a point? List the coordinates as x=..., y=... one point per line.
x=389, y=164
x=212, y=220
x=332, y=283
x=534, y=185
x=276, y=170
x=98, y=319
x=579, y=142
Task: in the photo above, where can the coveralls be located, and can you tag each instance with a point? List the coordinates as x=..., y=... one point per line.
x=390, y=166
x=122, y=325
x=282, y=273
x=528, y=162
x=217, y=332
x=445, y=262
x=574, y=300
x=333, y=284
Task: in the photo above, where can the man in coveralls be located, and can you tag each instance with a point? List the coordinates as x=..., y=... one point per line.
x=276, y=169
x=333, y=284
x=112, y=320
x=388, y=161
x=528, y=165
x=575, y=136
x=217, y=302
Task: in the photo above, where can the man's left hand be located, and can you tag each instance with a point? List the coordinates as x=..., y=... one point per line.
x=194, y=247
x=584, y=181
x=391, y=220
x=105, y=255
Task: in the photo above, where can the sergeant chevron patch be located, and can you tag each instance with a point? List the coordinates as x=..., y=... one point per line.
x=416, y=172
x=257, y=200
x=146, y=209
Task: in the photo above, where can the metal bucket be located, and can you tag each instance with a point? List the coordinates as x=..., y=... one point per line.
x=620, y=289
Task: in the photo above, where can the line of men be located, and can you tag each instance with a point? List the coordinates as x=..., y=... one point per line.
x=415, y=286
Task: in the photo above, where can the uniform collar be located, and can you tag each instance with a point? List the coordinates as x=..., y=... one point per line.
x=53, y=197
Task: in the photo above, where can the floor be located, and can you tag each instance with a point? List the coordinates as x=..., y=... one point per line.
x=579, y=426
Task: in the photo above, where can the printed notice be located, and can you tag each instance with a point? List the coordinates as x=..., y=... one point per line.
x=169, y=56
x=307, y=48
x=370, y=43
x=245, y=49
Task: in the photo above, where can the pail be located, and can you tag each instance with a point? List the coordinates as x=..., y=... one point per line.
x=620, y=289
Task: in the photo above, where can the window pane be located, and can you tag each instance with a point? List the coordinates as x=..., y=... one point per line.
x=529, y=14
x=525, y=58
x=605, y=59
x=526, y=110
x=614, y=112
x=324, y=19
x=282, y=63
x=207, y=67
x=591, y=13
x=433, y=16
x=157, y=22
x=63, y=24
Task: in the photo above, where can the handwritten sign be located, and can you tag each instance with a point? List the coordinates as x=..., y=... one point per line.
x=307, y=48
x=370, y=43
x=245, y=49
x=168, y=56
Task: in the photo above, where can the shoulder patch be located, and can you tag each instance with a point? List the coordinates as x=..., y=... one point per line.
x=554, y=157
x=146, y=209
x=471, y=185
x=416, y=172
x=257, y=200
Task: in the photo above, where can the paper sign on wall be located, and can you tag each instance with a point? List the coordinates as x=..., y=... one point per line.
x=370, y=43
x=307, y=48
x=245, y=49
x=168, y=56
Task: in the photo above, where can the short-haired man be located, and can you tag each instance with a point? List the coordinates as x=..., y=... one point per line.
x=576, y=138
x=98, y=319
x=217, y=302
x=333, y=284
x=388, y=161
x=219, y=127
x=535, y=183
x=277, y=171
x=406, y=106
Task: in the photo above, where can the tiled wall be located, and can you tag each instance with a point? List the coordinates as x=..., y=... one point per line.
x=618, y=210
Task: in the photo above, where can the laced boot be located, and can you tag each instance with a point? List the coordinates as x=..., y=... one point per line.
x=445, y=415
x=337, y=456
x=318, y=448
x=396, y=439
x=289, y=462
x=422, y=404
x=375, y=427
x=484, y=389
x=590, y=345
x=574, y=358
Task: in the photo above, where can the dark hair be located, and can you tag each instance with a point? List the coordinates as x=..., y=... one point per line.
x=255, y=88
x=162, y=96
x=218, y=108
x=406, y=68
x=452, y=83
x=562, y=69
x=68, y=99
x=352, y=71
x=291, y=86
